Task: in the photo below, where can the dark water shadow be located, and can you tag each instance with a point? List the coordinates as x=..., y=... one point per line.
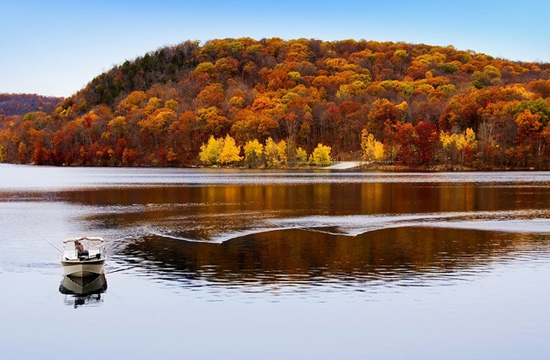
x=405, y=256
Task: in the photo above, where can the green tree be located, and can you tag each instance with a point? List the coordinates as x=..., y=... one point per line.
x=539, y=106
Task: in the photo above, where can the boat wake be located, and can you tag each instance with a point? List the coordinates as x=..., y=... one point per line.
x=523, y=221
x=502, y=221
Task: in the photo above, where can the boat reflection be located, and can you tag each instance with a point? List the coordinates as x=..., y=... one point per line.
x=83, y=291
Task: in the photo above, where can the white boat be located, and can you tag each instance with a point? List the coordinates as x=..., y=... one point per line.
x=88, y=261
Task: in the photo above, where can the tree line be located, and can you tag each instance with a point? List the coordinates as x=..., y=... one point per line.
x=382, y=102
x=20, y=104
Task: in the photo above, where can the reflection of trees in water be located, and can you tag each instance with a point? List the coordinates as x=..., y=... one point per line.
x=283, y=255
x=206, y=211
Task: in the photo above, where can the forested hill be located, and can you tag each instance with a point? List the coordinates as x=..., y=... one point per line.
x=20, y=104
x=391, y=103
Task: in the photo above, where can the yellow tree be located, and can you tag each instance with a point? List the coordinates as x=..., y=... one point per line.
x=282, y=151
x=456, y=145
x=2, y=154
x=253, y=152
x=117, y=127
x=301, y=155
x=229, y=151
x=321, y=155
x=210, y=152
x=275, y=153
x=271, y=153
x=171, y=104
x=156, y=124
x=373, y=150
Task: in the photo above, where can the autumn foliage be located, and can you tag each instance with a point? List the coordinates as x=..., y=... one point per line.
x=20, y=104
x=390, y=103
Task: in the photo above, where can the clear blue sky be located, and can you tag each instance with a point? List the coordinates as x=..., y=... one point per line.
x=57, y=47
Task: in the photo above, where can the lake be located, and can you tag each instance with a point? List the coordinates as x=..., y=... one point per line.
x=234, y=264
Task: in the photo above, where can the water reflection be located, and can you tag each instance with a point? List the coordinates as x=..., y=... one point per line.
x=249, y=229
x=220, y=213
x=334, y=199
x=299, y=258
x=359, y=264
x=83, y=291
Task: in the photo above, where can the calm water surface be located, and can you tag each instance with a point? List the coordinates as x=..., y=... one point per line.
x=232, y=264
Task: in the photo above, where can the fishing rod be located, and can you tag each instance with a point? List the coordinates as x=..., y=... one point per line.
x=52, y=245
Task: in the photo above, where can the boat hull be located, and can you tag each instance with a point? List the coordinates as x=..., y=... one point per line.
x=84, y=268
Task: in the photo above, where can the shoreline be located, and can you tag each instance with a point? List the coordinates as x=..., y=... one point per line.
x=337, y=166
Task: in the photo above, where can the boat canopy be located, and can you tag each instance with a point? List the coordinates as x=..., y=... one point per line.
x=85, y=238
x=94, y=247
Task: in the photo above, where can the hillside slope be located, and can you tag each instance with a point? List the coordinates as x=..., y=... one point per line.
x=424, y=105
x=20, y=104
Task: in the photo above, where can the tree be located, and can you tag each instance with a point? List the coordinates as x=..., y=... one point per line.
x=22, y=153
x=129, y=157
x=321, y=155
x=271, y=153
x=372, y=150
x=117, y=127
x=157, y=123
x=253, y=153
x=531, y=136
x=539, y=106
x=229, y=152
x=529, y=125
x=210, y=152
x=406, y=137
x=461, y=113
x=182, y=135
x=171, y=104
x=212, y=95
x=301, y=155
x=282, y=151
x=426, y=141
x=488, y=76
x=382, y=111
x=211, y=122
x=303, y=91
x=204, y=67
x=457, y=146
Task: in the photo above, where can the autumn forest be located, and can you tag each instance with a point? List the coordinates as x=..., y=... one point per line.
x=276, y=103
